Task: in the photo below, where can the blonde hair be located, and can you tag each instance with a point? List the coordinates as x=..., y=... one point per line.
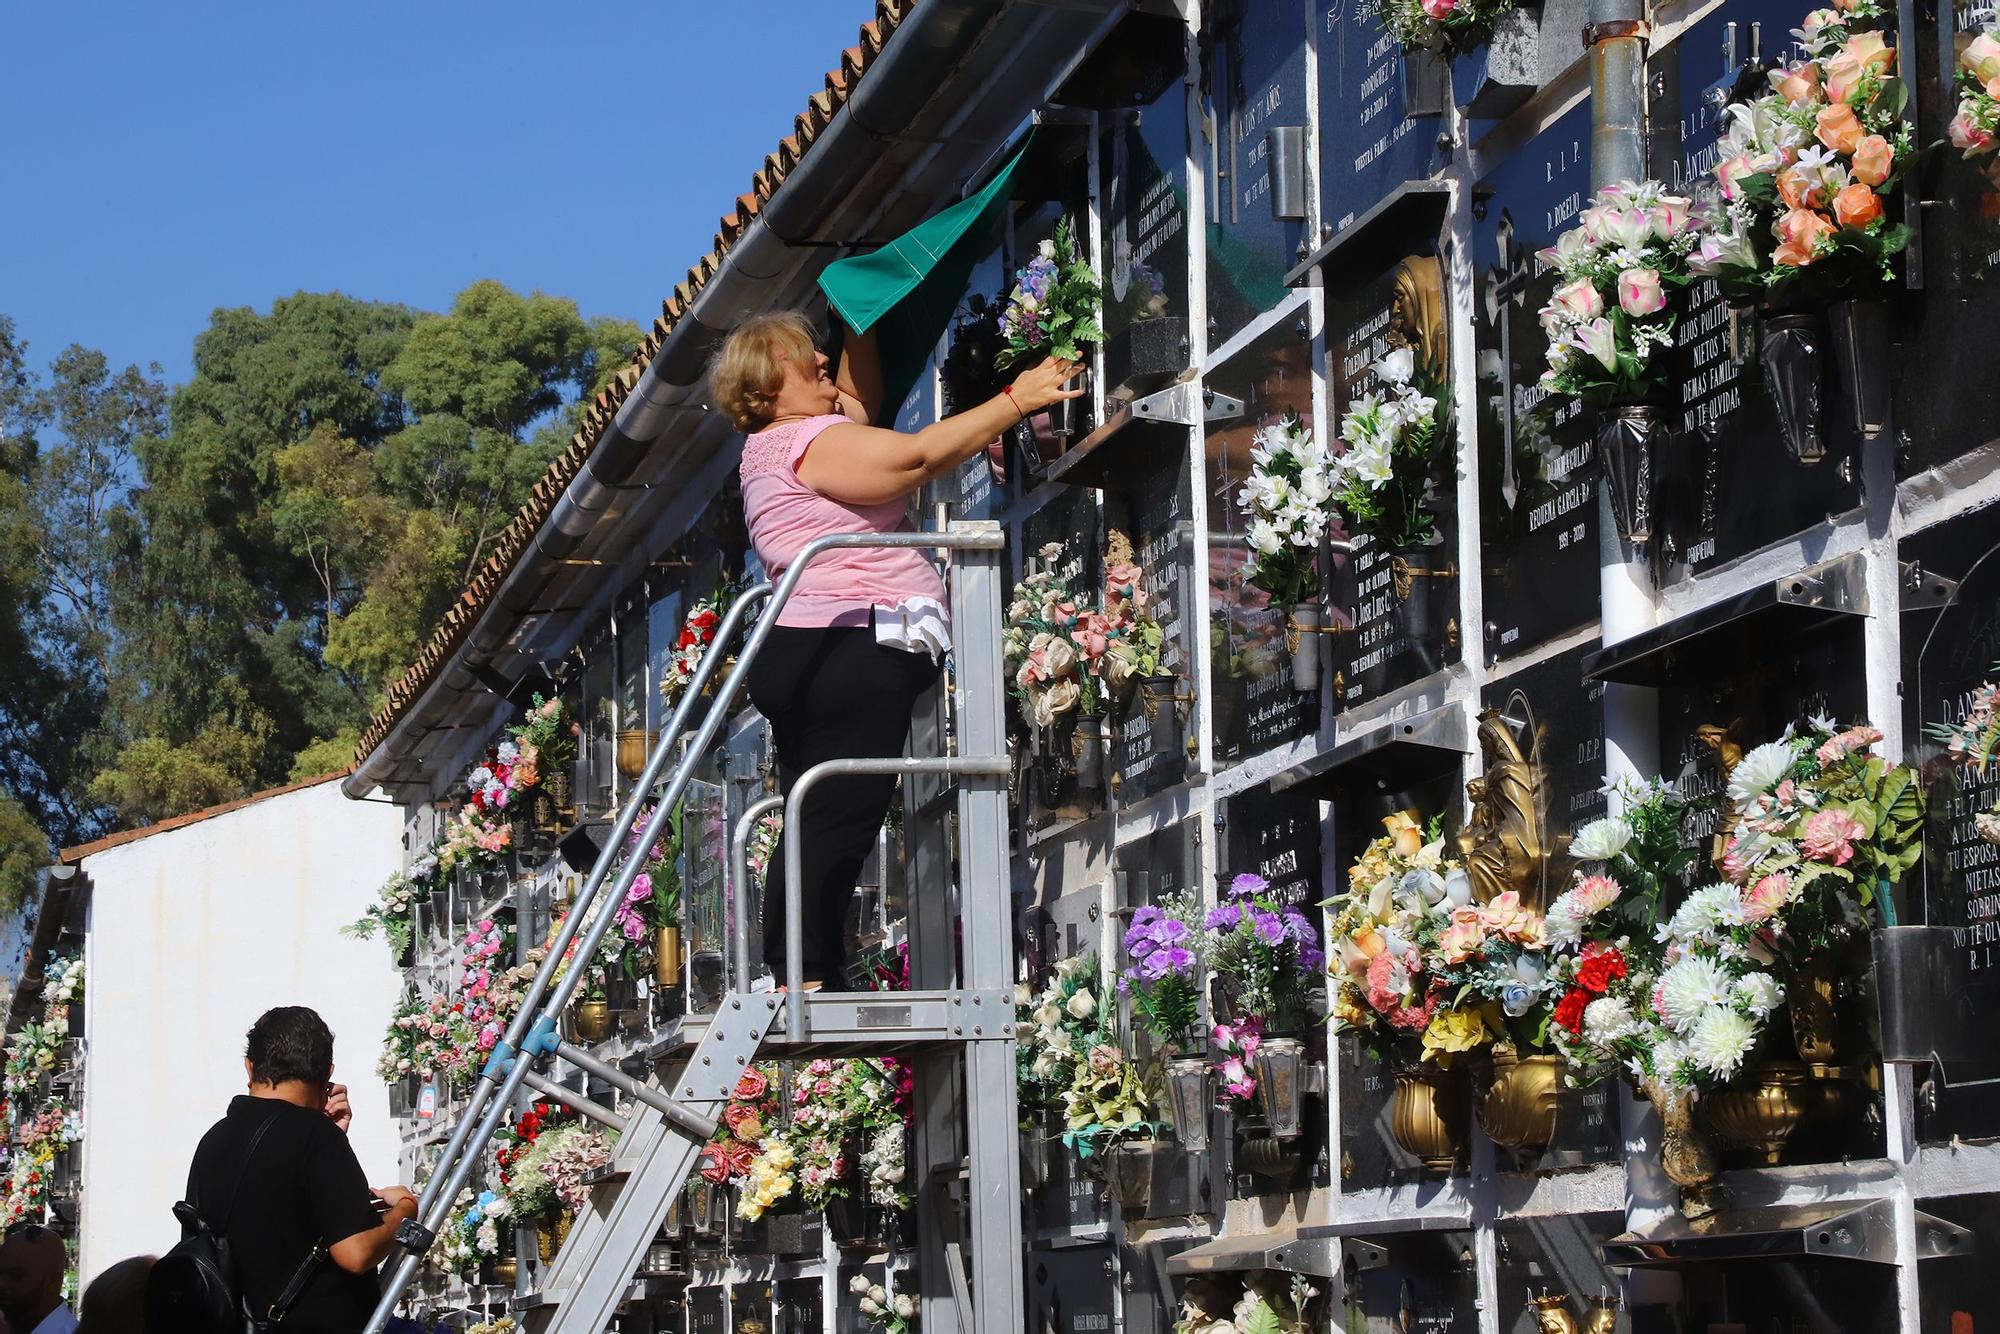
x=747, y=373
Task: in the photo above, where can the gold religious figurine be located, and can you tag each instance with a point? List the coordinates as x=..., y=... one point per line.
x=1503, y=844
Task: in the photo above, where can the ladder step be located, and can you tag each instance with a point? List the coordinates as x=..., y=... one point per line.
x=613, y=1171
x=861, y=1023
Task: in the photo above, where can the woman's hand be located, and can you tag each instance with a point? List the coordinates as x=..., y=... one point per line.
x=1043, y=384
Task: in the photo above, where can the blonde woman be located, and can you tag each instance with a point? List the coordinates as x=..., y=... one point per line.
x=861, y=638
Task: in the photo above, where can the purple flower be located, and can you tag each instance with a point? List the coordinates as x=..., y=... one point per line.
x=1225, y=918
x=1270, y=928
x=642, y=888
x=1172, y=931
x=1299, y=927
x=1244, y=886
x=1179, y=959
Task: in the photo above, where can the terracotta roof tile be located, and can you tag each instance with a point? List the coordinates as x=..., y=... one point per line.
x=515, y=538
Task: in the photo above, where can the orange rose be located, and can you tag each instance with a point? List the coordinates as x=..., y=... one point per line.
x=1797, y=231
x=1856, y=205
x=1838, y=127
x=1798, y=85
x=1872, y=159
x=1863, y=53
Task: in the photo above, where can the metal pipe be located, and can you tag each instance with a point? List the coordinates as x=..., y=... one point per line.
x=736, y=879
x=992, y=766
x=688, y=1121
x=549, y=1088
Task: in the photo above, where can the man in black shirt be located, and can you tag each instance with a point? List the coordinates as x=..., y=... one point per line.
x=302, y=1188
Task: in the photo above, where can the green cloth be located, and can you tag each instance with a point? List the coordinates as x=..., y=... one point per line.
x=911, y=287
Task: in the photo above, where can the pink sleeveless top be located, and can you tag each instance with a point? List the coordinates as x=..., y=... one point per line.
x=840, y=587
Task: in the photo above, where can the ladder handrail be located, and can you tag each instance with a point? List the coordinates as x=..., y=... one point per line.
x=987, y=766
x=736, y=878
x=505, y=1072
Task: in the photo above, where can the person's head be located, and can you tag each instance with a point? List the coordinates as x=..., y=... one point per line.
x=32, y=1261
x=115, y=1301
x=768, y=368
x=290, y=1045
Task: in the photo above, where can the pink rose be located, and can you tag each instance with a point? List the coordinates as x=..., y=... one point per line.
x=1829, y=837
x=1579, y=300
x=1981, y=58
x=642, y=888
x=1439, y=10
x=1968, y=137
x=1671, y=216
x=1797, y=85
x=1843, y=744
x=1639, y=292
x=1730, y=171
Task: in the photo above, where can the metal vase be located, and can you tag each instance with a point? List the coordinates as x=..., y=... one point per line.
x=1280, y=1066
x=1630, y=439
x=1128, y=1172
x=1302, y=623
x=1034, y=1160
x=1190, y=1095
x=1861, y=350
x=1426, y=83
x=1792, y=349
x=1087, y=746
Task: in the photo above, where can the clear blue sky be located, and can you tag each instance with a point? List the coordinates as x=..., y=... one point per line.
x=163, y=159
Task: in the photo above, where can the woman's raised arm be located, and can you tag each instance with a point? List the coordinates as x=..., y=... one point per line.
x=867, y=465
x=859, y=378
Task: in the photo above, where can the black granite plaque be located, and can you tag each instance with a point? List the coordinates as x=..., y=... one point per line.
x=1537, y=480
x=1255, y=705
x=1275, y=835
x=1073, y=1290
x=1426, y=1285
x=1400, y=607
x=1144, y=161
x=1155, y=512
x=1558, y=1256
x=1069, y=520
x=1732, y=487
x=1254, y=77
x=1944, y=363
x=707, y=1311
x=1567, y=713
x=1367, y=146
x=1948, y=654
x=1156, y=866
x=799, y=1308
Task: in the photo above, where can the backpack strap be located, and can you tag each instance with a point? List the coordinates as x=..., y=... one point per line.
x=242, y=1171
x=297, y=1286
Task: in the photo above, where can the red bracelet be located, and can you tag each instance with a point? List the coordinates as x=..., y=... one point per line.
x=1008, y=390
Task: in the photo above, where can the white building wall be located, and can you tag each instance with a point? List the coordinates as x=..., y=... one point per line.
x=194, y=932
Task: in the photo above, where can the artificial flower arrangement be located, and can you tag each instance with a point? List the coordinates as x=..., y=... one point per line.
x=847, y=1128
x=1973, y=742
x=32, y=1052
x=763, y=846
x=691, y=645
x=1807, y=168
x=1443, y=26
x=893, y=1312
x=1065, y=655
x=1288, y=500
x=1107, y=1102
x=62, y=983
x=749, y=1116
x=1976, y=123
x=472, y=1235
x=1164, y=978
x=653, y=901
x=550, y=1177
x=1612, y=315
x=1423, y=968
x=1395, y=441
x=1254, y=1302
x=1057, y=1027
x=546, y=739
x=431, y=1038
x=1052, y=311
x=36, y=1140
x=1266, y=956
x=393, y=914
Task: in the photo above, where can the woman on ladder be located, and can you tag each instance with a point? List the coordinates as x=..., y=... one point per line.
x=864, y=632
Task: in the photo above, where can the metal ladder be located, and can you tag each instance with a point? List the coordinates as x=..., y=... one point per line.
x=955, y=1028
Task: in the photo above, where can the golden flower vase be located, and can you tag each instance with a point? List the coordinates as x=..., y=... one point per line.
x=1427, y=1116
x=1762, y=1109
x=1518, y=1110
x=667, y=957
x=590, y=1021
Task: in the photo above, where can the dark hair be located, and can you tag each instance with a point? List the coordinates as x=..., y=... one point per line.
x=289, y=1042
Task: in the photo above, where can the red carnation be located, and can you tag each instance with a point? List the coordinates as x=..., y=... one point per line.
x=1569, y=1011
x=1596, y=972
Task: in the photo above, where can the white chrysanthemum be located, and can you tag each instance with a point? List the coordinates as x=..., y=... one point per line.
x=1705, y=912
x=1721, y=1040
x=1759, y=771
x=1563, y=924
x=1600, y=840
x=1759, y=993
x=1689, y=989
x=1606, y=1020
x=1668, y=1057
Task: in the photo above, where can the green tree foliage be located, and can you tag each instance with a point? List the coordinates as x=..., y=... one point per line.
x=155, y=778
x=24, y=850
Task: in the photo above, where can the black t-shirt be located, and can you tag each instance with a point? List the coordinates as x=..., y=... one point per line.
x=304, y=1188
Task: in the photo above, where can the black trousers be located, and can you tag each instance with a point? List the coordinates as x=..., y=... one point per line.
x=831, y=694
